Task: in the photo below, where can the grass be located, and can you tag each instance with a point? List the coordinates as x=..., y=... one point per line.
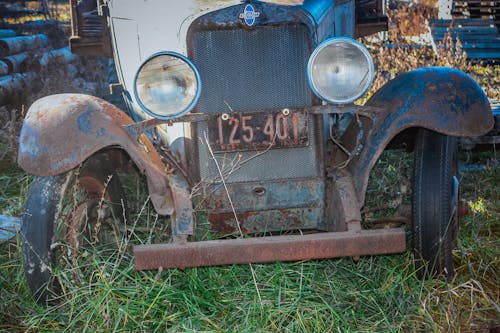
x=375, y=294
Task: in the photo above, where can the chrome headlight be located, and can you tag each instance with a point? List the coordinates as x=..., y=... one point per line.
x=167, y=85
x=340, y=70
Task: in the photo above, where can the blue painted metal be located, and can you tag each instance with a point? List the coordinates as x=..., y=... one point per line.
x=9, y=226
x=318, y=8
x=267, y=205
x=344, y=18
x=441, y=99
x=182, y=223
x=267, y=195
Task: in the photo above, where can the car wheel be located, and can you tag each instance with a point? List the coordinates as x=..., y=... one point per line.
x=435, y=203
x=63, y=213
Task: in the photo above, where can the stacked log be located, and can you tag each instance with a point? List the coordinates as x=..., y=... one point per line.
x=17, y=62
x=15, y=53
x=4, y=68
x=62, y=55
x=18, y=44
x=34, y=61
x=7, y=33
x=12, y=86
x=22, y=58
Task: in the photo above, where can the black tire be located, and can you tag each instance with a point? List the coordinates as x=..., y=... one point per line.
x=45, y=223
x=435, y=203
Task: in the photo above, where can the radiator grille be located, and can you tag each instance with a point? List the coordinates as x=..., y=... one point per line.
x=253, y=69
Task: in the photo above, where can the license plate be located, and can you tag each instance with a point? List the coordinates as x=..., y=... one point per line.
x=258, y=131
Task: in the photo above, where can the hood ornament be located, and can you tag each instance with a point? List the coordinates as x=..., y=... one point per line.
x=249, y=15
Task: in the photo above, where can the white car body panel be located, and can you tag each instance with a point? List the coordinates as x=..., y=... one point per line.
x=142, y=28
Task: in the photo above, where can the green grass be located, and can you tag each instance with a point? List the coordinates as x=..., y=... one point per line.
x=375, y=294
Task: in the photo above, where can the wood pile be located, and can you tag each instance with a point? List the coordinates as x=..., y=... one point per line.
x=23, y=58
x=489, y=10
x=20, y=61
x=34, y=57
x=479, y=38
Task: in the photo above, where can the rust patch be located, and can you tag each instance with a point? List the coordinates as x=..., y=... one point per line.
x=441, y=99
x=73, y=127
x=270, y=249
x=225, y=224
x=463, y=208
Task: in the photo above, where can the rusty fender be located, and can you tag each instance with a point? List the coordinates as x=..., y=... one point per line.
x=441, y=99
x=61, y=131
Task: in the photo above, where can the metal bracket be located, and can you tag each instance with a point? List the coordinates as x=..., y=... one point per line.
x=344, y=208
x=182, y=219
x=137, y=129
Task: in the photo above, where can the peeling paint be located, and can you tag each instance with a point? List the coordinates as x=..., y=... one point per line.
x=75, y=127
x=83, y=121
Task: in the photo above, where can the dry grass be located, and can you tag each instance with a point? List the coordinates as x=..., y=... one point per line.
x=405, y=53
x=376, y=294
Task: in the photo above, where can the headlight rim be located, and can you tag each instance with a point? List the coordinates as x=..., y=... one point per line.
x=319, y=48
x=191, y=105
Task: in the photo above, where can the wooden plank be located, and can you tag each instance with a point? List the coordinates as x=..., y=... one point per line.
x=462, y=22
x=482, y=46
x=466, y=30
x=465, y=3
x=476, y=4
x=485, y=47
x=468, y=16
x=480, y=38
x=479, y=6
x=465, y=37
x=490, y=28
x=489, y=40
x=472, y=37
x=483, y=54
x=475, y=49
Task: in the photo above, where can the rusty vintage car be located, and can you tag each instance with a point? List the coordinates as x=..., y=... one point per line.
x=251, y=101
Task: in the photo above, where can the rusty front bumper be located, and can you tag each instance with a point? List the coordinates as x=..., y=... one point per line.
x=270, y=249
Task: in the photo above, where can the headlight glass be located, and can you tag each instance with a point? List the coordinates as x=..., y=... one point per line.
x=340, y=70
x=167, y=85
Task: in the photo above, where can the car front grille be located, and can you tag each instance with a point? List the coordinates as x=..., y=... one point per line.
x=248, y=70
x=252, y=69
